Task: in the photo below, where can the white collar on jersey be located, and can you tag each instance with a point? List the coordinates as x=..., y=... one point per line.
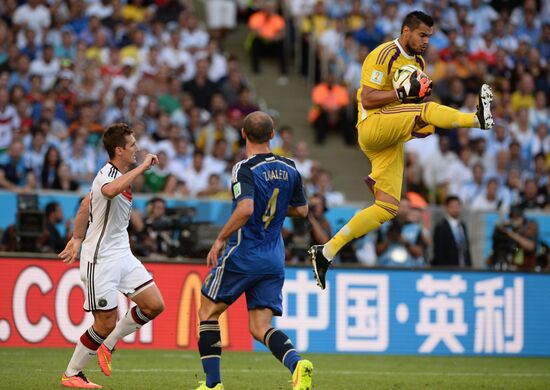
x=403, y=52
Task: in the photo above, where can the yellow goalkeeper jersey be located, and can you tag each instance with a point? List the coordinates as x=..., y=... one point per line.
x=378, y=69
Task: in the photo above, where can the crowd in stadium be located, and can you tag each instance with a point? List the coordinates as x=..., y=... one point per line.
x=68, y=68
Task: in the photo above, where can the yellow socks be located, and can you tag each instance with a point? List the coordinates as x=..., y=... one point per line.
x=447, y=117
x=362, y=223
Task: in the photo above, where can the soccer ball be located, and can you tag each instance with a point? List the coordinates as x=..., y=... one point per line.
x=402, y=75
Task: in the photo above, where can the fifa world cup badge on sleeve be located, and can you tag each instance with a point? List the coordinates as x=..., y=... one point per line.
x=376, y=77
x=236, y=190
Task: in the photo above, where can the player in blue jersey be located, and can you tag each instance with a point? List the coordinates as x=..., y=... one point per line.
x=248, y=255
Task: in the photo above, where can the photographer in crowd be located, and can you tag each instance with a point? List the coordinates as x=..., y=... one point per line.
x=404, y=241
x=314, y=230
x=515, y=243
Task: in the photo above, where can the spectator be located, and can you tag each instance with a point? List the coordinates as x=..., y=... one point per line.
x=322, y=184
x=158, y=178
x=540, y=143
x=67, y=47
x=231, y=87
x=9, y=121
x=524, y=96
x=530, y=198
x=511, y=192
x=451, y=242
x=34, y=16
x=218, y=129
x=169, y=145
x=193, y=37
x=285, y=138
x=539, y=114
x=53, y=240
x=57, y=127
x=215, y=188
x=13, y=170
x=200, y=87
x=64, y=180
x=515, y=159
x=183, y=157
x=319, y=225
x=329, y=112
x=52, y=160
x=196, y=176
x=267, y=29
x=514, y=243
x=490, y=199
x=221, y=17
x=157, y=237
x=402, y=242
x=46, y=67
x=115, y=111
x=244, y=105
x=436, y=176
x=370, y=34
x=218, y=63
x=170, y=101
x=302, y=161
x=34, y=156
x=217, y=161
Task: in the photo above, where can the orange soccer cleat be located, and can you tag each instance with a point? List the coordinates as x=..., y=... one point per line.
x=104, y=358
x=78, y=381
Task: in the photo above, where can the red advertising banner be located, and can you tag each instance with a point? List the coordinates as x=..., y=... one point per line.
x=42, y=306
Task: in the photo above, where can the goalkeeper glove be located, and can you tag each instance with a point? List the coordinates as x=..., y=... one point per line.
x=416, y=89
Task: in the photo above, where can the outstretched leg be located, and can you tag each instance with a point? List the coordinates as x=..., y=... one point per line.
x=149, y=305
x=281, y=347
x=86, y=347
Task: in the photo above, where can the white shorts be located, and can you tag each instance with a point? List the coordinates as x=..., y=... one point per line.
x=221, y=14
x=103, y=280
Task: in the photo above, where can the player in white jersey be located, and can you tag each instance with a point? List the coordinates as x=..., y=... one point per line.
x=106, y=261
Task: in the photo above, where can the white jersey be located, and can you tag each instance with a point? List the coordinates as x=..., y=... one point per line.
x=107, y=235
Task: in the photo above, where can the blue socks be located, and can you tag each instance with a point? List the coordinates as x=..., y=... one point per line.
x=210, y=348
x=281, y=347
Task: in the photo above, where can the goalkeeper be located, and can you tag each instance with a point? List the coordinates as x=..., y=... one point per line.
x=387, y=119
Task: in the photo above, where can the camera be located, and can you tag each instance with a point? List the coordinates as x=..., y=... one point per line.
x=504, y=247
x=171, y=231
x=29, y=223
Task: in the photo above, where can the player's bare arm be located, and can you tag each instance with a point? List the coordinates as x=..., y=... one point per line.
x=72, y=248
x=121, y=183
x=374, y=98
x=239, y=217
x=298, y=211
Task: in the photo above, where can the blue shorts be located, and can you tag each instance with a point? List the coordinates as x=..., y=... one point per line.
x=262, y=291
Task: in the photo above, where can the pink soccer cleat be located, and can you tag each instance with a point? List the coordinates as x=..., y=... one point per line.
x=104, y=358
x=78, y=381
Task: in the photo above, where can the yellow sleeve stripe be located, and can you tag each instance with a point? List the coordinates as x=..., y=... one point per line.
x=384, y=53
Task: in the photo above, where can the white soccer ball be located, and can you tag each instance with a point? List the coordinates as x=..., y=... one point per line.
x=402, y=75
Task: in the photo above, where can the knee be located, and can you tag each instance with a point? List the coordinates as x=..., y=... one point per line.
x=104, y=326
x=153, y=309
x=386, y=211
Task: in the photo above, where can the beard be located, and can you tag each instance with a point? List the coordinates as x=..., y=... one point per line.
x=413, y=51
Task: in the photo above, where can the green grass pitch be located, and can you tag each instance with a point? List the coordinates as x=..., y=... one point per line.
x=28, y=368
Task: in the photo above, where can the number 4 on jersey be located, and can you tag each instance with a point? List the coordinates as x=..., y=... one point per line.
x=269, y=212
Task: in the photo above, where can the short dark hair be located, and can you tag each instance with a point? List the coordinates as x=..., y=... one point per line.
x=115, y=136
x=258, y=127
x=51, y=208
x=451, y=198
x=415, y=19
